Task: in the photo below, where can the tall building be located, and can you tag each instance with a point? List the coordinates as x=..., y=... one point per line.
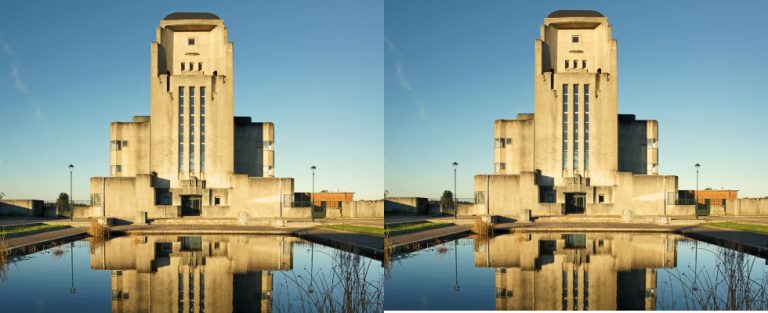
x=192, y=156
x=575, y=153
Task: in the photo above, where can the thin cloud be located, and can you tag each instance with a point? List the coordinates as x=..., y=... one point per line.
x=404, y=83
x=403, y=80
x=18, y=82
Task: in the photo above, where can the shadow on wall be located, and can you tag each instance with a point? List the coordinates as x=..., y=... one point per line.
x=21, y=208
x=405, y=206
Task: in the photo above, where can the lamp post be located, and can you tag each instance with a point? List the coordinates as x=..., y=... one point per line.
x=312, y=195
x=71, y=199
x=455, y=208
x=696, y=194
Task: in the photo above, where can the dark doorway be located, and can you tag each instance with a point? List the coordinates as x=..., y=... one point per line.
x=191, y=205
x=575, y=203
x=318, y=211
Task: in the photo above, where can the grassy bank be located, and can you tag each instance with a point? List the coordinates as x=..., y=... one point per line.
x=760, y=229
x=366, y=230
x=18, y=230
x=417, y=226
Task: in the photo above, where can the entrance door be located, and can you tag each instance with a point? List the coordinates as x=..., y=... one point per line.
x=318, y=211
x=191, y=205
x=703, y=209
x=575, y=203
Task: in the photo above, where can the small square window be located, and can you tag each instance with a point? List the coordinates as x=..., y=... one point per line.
x=191, y=41
x=217, y=201
x=575, y=39
x=509, y=141
x=601, y=198
x=125, y=143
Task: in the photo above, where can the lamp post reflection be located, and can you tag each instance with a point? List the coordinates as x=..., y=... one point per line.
x=456, y=265
x=72, y=268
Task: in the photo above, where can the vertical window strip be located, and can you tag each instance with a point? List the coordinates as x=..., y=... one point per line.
x=586, y=126
x=181, y=129
x=565, y=126
x=191, y=129
x=575, y=126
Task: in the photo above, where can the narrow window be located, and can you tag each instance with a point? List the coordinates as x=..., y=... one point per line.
x=181, y=129
x=575, y=126
x=200, y=66
x=191, y=66
x=567, y=64
x=191, y=156
x=183, y=66
x=575, y=63
x=601, y=199
x=583, y=63
x=586, y=126
x=565, y=125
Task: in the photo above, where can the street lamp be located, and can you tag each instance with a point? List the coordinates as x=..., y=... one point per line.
x=696, y=194
x=312, y=195
x=71, y=199
x=455, y=208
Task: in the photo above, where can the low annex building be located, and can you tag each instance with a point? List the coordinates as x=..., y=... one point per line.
x=192, y=156
x=575, y=153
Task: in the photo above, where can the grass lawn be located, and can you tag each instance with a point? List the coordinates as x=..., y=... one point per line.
x=22, y=229
x=420, y=226
x=367, y=230
x=761, y=229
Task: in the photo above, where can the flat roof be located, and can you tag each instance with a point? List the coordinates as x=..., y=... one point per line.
x=575, y=13
x=191, y=16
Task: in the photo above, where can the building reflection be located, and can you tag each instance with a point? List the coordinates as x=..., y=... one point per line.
x=594, y=271
x=192, y=273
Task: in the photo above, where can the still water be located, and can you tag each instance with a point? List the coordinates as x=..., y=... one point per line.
x=592, y=271
x=192, y=274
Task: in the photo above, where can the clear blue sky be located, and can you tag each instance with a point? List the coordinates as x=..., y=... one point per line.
x=68, y=69
x=453, y=67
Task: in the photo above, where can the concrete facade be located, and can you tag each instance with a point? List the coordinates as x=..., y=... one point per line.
x=192, y=156
x=575, y=153
x=10, y=207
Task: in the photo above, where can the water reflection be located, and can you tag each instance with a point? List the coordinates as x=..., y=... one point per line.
x=232, y=274
x=549, y=271
x=578, y=271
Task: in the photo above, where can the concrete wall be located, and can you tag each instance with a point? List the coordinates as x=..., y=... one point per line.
x=508, y=195
x=362, y=209
x=21, y=207
x=254, y=148
x=638, y=145
x=132, y=158
x=747, y=207
x=513, y=145
x=405, y=205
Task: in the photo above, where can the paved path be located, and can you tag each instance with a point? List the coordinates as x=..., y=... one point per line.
x=584, y=227
x=415, y=240
x=19, y=243
x=367, y=245
x=752, y=243
x=202, y=229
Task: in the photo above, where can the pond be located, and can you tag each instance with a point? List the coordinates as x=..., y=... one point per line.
x=579, y=271
x=208, y=273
